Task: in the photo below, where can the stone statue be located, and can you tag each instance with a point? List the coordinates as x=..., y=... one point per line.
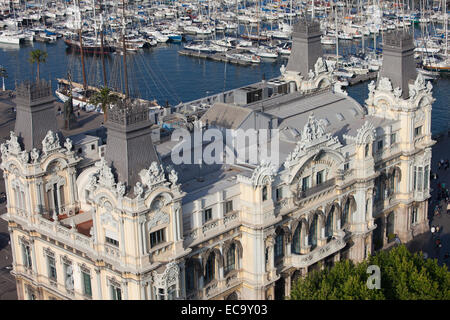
x=310, y=74
x=68, y=144
x=282, y=69
x=173, y=177
x=4, y=150
x=138, y=189
x=50, y=142
x=121, y=189
x=34, y=155
x=429, y=87
x=397, y=92
x=320, y=66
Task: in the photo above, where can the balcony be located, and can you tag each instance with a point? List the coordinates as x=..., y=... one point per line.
x=315, y=192
x=302, y=261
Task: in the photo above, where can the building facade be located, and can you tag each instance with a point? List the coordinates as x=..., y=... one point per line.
x=127, y=223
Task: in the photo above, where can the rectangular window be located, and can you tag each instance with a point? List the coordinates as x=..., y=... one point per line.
x=228, y=206
x=157, y=237
x=319, y=177
x=279, y=193
x=207, y=215
x=418, y=131
x=366, y=150
x=305, y=183
x=346, y=166
x=87, y=289
x=420, y=180
x=415, y=178
x=116, y=293
x=160, y=294
x=92, y=146
x=26, y=256
x=114, y=242
x=414, y=215
x=264, y=193
x=426, y=178
x=393, y=138
x=379, y=145
x=51, y=267
x=68, y=276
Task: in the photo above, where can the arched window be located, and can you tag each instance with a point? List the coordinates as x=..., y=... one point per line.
x=210, y=267
x=345, y=213
x=296, y=240
x=313, y=233
x=264, y=193
x=279, y=244
x=366, y=150
x=329, y=226
x=231, y=258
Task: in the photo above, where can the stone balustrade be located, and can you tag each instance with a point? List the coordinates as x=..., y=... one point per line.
x=302, y=261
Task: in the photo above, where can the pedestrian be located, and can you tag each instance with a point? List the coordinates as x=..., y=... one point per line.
x=446, y=164
x=78, y=114
x=437, y=229
x=446, y=256
x=433, y=229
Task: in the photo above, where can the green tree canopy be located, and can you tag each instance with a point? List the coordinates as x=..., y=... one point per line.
x=404, y=276
x=104, y=97
x=38, y=56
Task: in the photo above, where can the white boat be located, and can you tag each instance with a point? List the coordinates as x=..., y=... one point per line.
x=9, y=39
x=328, y=40
x=264, y=52
x=244, y=57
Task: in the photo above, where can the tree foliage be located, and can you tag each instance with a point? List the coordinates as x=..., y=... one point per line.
x=404, y=276
x=38, y=56
x=104, y=97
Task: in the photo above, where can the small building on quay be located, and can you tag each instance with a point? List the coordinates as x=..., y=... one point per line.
x=126, y=222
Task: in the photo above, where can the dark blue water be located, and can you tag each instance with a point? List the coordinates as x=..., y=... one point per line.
x=161, y=73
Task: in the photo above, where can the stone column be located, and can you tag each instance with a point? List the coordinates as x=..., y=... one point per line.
x=13, y=247
x=125, y=289
x=122, y=239
x=142, y=290
x=99, y=284
x=220, y=205
x=144, y=238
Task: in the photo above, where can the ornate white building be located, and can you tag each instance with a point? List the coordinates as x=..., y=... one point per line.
x=121, y=221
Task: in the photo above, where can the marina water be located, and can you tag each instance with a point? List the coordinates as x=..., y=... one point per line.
x=162, y=74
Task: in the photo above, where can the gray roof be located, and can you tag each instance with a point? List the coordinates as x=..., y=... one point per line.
x=226, y=115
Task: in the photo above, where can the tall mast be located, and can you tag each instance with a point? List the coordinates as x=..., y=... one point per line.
x=105, y=83
x=444, y=10
x=124, y=52
x=80, y=33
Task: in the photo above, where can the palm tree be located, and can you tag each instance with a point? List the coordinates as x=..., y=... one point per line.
x=38, y=56
x=3, y=74
x=105, y=98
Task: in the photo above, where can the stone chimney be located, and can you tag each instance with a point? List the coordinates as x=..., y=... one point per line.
x=129, y=146
x=35, y=112
x=306, y=46
x=398, y=60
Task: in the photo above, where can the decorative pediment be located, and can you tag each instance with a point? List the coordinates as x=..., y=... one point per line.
x=168, y=278
x=263, y=174
x=320, y=66
x=159, y=217
x=154, y=175
x=419, y=86
x=313, y=138
x=108, y=219
x=105, y=175
x=385, y=84
x=11, y=146
x=50, y=142
x=367, y=131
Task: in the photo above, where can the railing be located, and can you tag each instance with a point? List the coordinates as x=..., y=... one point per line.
x=112, y=251
x=217, y=225
x=316, y=189
x=301, y=261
